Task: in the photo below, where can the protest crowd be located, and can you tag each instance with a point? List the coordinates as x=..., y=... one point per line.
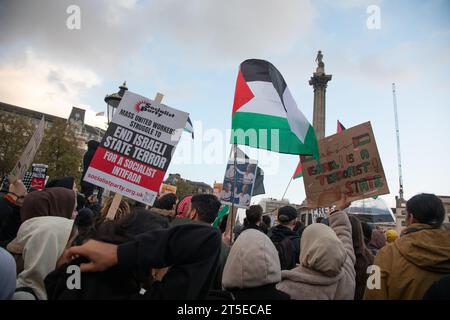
x=172, y=251
x=65, y=243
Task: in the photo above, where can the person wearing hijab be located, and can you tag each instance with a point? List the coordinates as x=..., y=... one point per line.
x=64, y=182
x=69, y=183
x=41, y=242
x=327, y=259
x=7, y=275
x=377, y=242
x=253, y=268
x=57, y=201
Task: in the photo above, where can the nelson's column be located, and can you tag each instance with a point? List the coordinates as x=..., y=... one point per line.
x=319, y=82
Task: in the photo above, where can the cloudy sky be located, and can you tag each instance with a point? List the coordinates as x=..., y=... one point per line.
x=190, y=51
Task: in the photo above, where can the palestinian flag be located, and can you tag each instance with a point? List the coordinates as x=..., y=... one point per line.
x=262, y=105
x=189, y=127
x=298, y=171
x=340, y=127
x=222, y=213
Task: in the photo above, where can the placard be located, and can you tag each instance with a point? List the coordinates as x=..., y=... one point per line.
x=137, y=148
x=349, y=164
x=245, y=180
x=167, y=188
x=28, y=153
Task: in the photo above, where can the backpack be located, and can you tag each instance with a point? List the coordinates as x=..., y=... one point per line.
x=286, y=253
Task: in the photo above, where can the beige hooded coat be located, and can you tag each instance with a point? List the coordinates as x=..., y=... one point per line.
x=42, y=241
x=411, y=264
x=327, y=259
x=252, y=262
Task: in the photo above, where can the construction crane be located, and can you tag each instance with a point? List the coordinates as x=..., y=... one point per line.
x=400, y=176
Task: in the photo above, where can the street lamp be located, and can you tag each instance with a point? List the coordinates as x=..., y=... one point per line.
x=113, y=100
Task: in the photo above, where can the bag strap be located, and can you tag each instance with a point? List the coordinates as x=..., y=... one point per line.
x=27, y=290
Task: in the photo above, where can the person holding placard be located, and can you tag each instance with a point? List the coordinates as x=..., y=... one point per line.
x=327, y=259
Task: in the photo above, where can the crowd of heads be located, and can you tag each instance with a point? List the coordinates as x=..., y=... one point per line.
x=272, y=256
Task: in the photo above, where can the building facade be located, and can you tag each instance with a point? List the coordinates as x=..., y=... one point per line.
x=401, y=214
x=270, y=205
x=197, y=186
x=83, y=131
x=308, y=216
x=446, y=202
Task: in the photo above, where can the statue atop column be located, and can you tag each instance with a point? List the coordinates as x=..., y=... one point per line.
x=319, y=82
x=320, y=65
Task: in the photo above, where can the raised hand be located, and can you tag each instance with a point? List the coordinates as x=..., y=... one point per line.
x=101, y=255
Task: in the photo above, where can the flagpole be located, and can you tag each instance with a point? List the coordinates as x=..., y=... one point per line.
x=232, y=194
x=287, y=188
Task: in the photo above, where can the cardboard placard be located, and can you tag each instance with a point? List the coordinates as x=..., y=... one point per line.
x=39, y=176
x=137, y=147
x=167, y=188
x=349, y=164
x=28, y=153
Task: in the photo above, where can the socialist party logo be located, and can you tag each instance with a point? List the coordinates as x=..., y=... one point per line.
x=143, y=105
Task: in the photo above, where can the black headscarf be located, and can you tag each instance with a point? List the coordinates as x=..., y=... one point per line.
x=64, y=182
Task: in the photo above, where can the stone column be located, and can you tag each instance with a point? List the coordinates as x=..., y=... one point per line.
x=319, y=82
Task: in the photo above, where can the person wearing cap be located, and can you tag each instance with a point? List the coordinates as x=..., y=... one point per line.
x=285, y=239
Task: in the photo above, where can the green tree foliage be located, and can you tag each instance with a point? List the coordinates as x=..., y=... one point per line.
x=15, y=132
x=183, y=188
x=59, y=150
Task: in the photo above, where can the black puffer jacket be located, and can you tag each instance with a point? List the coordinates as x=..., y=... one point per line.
x=9, y=221
x=191, y=251
x=87, y=188
x=280, y=232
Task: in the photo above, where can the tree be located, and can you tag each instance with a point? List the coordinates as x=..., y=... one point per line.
x=183, y=188
x=59, y=150
x=15, y=132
